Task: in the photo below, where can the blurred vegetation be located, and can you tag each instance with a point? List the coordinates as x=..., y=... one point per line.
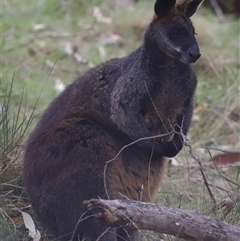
x=46, y=44
x=230, y=6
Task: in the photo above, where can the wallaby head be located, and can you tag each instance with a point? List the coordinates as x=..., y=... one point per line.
x=171, y=30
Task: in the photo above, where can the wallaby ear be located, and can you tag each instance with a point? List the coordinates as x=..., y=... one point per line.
x=162, y=7
x=189, y=7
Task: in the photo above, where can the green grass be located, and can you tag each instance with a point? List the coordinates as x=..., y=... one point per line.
x=37, y=58
x=14, y=123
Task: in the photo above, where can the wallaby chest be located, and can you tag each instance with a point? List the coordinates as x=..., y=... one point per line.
x=171, y=94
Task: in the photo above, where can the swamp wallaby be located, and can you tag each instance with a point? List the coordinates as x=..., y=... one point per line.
x=148, y=92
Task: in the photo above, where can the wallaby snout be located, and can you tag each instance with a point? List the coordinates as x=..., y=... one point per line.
x=193, y=54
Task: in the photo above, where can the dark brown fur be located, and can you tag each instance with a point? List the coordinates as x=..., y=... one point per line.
x=146, y=93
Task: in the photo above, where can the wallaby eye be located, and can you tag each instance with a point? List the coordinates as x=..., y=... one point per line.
x=175, y=32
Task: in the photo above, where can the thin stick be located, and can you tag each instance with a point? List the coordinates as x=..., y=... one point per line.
x=186, y=143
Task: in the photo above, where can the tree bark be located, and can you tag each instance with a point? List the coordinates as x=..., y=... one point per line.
x=185, y=224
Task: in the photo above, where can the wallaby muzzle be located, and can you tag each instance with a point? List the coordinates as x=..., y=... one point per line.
x=193, y=54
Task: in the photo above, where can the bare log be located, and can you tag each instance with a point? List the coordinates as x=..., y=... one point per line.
x=185, y=224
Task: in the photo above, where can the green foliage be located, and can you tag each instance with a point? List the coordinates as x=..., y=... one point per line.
x=14, y=123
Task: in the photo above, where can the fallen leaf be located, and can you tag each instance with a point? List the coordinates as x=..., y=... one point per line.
x=39, y=26
x=97, y=14
x=174, y=162
x=37, y=237
x=226, y=158
x=59, y=85
x=29, y=224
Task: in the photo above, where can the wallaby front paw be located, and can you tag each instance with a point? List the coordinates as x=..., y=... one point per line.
x=173, y=147
x=157, y=151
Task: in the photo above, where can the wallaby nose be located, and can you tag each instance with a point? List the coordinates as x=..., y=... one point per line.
x=194, y=54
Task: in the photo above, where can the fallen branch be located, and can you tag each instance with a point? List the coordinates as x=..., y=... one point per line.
x=185, y=224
